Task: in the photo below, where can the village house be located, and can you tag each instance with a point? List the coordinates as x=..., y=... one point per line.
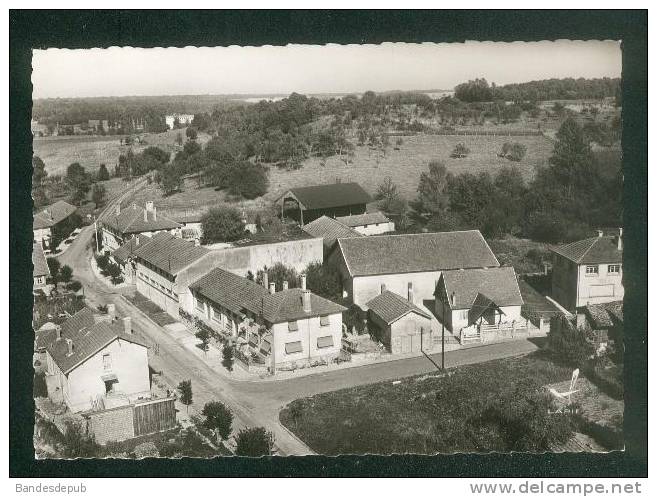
x=401, y=325
x=191, y=225
x=40, y=271
x=122, y=224
x=291, y=326
x=125, y=259
x=366, y=263
x=95, y=365
x=51, y=219
x=467, y=297
x=588, y=271
x=329, y=230
x=180, y=119
x=604, y=321
x=370, y=223
x=311, y=202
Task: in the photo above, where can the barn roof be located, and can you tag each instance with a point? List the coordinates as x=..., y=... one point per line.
x=169, y=253
x=52, y=214
x=329, y=230
x=131, y=220
x=375, y=217
x=39, y=261
x=594, y=250
x=396, y=254
x=390, y=307
x=497, y=284
x=604, y=315
x=331, y=195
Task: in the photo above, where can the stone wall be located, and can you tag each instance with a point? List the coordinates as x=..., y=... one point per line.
x=111, y=424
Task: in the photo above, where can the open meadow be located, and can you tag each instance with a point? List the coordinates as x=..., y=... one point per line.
x=58, y=152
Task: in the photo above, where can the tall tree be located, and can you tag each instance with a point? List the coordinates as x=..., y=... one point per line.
x=222, y=224
x=103, y=174
x=98, y=195
x=571, y=159
x=432, y=194
x=218, y=418
x=186, y=394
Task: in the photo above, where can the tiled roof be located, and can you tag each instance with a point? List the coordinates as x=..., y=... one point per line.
x=53, y=214
x=390, y=307
x=592, y=250
x=603, y=315
x=169, y=253
x=393, y=254
x=499, y=285
x=239, y=294
x=87, y=342
x=81, y=319
x=131, y=220
x=128, y=248
x=332, y=195
x=39, y=261
x=329, y=230
x=375, y=217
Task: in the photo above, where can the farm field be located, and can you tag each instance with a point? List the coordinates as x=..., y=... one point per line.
x=423, y=415
x=369, y=167
x=58, y=152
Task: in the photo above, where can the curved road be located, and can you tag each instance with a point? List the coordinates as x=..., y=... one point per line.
x=254, y=403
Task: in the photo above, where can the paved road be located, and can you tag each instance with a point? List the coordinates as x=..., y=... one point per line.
x=257, y=403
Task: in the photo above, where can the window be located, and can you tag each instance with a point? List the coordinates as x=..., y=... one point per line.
x=199, y=305
x=107, y=362
x=216, y=315
x=591, y=270
x=323, y=342
x=613, y=269
x=324, y=321
x=292, y=326
x=293, y=347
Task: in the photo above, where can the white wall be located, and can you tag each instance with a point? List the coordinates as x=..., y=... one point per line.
x=365, y=288
x=41, y=235
x=375, y=229
x=159, y=290
x=599, y=288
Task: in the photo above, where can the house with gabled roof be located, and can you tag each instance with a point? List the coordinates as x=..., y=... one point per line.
x=93, y=365
x=366, y=263
x=369, y=223
x=40, y=269
x=284, y=327
x=122, y=224
x=49, y=219
x=329, y=230
x=466, y=297
x=588, y=271
x=308, y=203
x=125, y=258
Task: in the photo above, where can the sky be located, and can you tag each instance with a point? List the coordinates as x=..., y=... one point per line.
x=120, y=71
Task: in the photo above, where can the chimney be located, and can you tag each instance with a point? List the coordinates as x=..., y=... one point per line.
x=600, y=233
x=111, y=311
x=69, y=347
x=117, y=211
x=410, y=292
x=197, y=242
x=383, y=287
x=149, y=205
x=154, y=213
x=272, y=288
x=265, y=279
x=285, y=285
x=303, y=281
x=305, y=298
x=620, y=239
x=145, y=215
x=452, y=298
x=134, y=206
x=127, y=325
x=59, y=332
x=137, y=240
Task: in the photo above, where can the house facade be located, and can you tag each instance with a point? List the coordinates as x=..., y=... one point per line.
x=49, y=219
x=97, y=365
x=471, y=297
x=285, y=328
x=365, y=264
x=121, y=225
x=183, y=120
x=40, y=271
x=370, y=223
x=588, y=272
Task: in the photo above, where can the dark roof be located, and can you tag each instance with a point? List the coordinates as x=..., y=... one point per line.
x=393, y=254
x=52, y=214
x=87, y=342
x=332, y=195
x=81, y=319
x=238, y=294
x=499, y=285
x=39, y=261
x=131, y=220
x=390, y=307
x=375, y=217
x=169, y=253
x=329, y=230
x=592, y=250
x=128, y=248
x=604, y=315
x=193, y=217
x=479, y=306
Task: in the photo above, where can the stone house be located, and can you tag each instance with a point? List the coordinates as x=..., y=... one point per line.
x=588, y=271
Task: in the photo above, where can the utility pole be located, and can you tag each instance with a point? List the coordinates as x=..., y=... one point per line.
x=442, y=355
x=96, y=234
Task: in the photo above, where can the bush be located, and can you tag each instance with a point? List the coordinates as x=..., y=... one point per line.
x=254, y=442
x=218, y=417
x=222, y=224
x=79, y=444
x=74, y=286
x=247, y=180
x=460, y=151
x=40, y=389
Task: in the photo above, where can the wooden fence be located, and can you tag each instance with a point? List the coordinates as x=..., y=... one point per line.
x=154, y=416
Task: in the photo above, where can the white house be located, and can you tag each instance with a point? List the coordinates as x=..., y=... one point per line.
x=473, y=296
x=95, y=365
x=49, y=219
x=370, y=223
x=366, y=263
x=183, y=120
x=284, y=327
x=40, y=271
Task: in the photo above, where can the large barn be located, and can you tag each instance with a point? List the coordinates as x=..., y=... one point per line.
x=312, y=202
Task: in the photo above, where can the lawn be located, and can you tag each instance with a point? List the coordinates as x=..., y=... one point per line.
x=423, y=415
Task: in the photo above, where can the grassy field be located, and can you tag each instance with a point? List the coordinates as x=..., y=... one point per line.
x=58, y=152
x=369, y=167
x=419, y=415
